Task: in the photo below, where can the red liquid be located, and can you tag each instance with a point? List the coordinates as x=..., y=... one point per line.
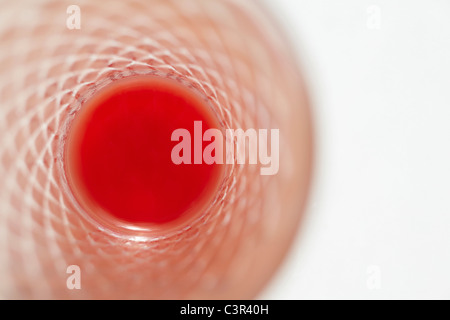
x=118, y=155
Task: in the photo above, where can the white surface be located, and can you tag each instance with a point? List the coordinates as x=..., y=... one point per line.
x=378, y=225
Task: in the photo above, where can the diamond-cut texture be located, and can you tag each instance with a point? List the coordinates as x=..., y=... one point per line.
x=232, y=53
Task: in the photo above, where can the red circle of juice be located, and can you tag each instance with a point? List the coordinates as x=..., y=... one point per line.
x=118, y=152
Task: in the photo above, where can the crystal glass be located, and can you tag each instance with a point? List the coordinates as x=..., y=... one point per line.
x=51, y=63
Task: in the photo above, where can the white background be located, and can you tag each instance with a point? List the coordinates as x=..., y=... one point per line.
x=378, y=222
